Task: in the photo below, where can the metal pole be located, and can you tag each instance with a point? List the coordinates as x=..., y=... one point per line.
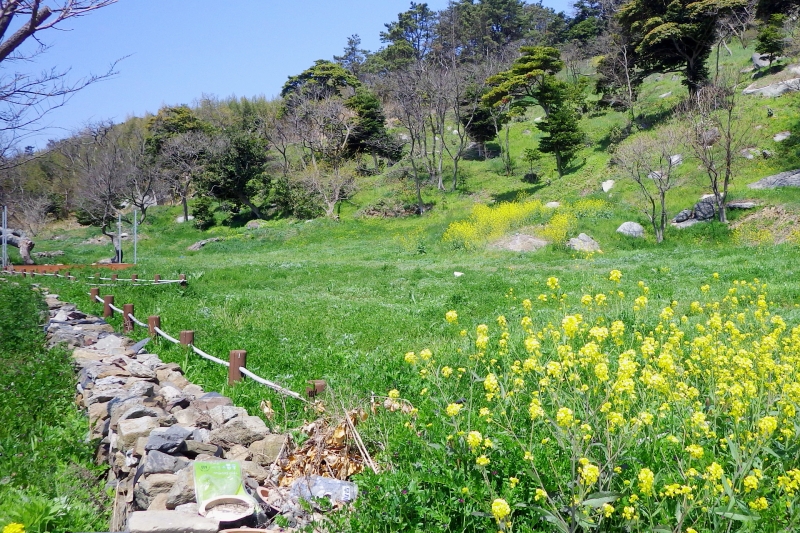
x=135, y=227
x=5, y=238
x=119, y=238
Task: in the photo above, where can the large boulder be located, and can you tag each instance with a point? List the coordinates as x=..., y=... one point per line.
x=790, y=178
x=583, y=243
x=683, y=216
x=704, y=209
x=631, y=229
x=243, y=430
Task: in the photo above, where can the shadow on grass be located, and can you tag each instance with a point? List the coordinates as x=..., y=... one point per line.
x=768, y=71
x=510, y=196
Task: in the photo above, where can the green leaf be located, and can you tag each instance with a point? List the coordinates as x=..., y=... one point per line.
x=661, y=529
x=739, y=516
x=596, y=499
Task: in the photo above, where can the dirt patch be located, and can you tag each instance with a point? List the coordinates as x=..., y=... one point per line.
x=771, y=225
x=519, y=242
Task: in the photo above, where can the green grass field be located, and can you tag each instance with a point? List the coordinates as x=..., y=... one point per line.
x=344, y=301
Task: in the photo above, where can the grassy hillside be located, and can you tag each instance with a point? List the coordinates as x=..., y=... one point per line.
x=344, y=301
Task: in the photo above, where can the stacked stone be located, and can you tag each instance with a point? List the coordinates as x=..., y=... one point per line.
x=152, y=423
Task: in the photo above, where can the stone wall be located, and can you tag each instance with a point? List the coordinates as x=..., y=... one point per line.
x=152, y=423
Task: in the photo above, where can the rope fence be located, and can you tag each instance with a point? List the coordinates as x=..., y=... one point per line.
x=236, y=363
x=134, y=279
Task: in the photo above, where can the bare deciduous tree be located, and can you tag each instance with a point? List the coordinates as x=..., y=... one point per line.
x=183, y=158
x=24, y=97
x=650, y=162
x=714, y=109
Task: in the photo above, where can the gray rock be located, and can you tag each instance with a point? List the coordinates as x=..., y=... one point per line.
x=238, y=453
x=666, y=94
x=782, y=136
x=607, y=185
x=266, y=451
x=210, y=400
x=199, y=244
x=685, y=223
x=675, y=160
x=170, y=522
x=759, y=60
x=130, y=430
x=552, y=205
x=784, y=179
x=775, y=89
x=138, y=370
x=741, y=204
x=221, y=414
x=142, y=389
x=148, y=486
x=201, y=435
x=193, y=448
x=186, y=417
x=241, y=430
x=253, y=224
x=161, y=463
x=168, y=441
x=183, y=489
x=704, y=210
x=583, y=243
x=255, y=471
x=193, y=391
x=631, y=229
x=683, y=216
x=710, y=137
x=138, y=411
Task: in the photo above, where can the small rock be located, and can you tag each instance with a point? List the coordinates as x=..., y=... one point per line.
x=130, y=430
x=183, y=489
x=199, y=244
x=253, y=224
x=552, y=205
x=193, y=448
x=685, y=223
x=149, y=486
x=666, y=94
x=223, y=413
x=675, y=160
x=170, y=522
x=741, y=204
x=210, y=400
x=683, y=216
x=139, y=370
x=241, y=430
x=583, y=243
x=181, y=220
x=631, y=229
x=168, y=441
x=238, y=453
x=607, y=185
x=782, y=136
x=161, y=463
x=159, y=503
x=266, y=451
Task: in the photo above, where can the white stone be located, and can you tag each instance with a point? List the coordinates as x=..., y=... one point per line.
x=631, y=229
x=170, y=522
x=180, y=220
x=458, y=274
x=782, y=136
x=552, y=205
x=607, y=185
x=668, y=93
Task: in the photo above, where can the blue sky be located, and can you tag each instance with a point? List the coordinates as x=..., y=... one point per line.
x=178, y=50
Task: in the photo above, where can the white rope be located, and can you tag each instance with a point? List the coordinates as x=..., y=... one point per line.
x=163, y=334
x=116, y=309
x=137, y=321
x=271, y=385
x=99, y=299
x=201, y=353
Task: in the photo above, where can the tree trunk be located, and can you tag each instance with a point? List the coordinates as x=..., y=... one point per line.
x=559, y=164
x=15, y=238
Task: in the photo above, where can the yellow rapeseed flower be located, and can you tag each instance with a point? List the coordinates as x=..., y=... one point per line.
x=759, y=504
x=695, y=451
x=552, y=283
x=615, y=276
x=589, y=474
x=513, y=481
x=646, y=479
x=541, y=494
x=394, y=394
x=14, y=527
x=482, y=460
x=474, y=439
x=607, y=509
x=500, y=509
x=451, y=316
x=446, y=371
x=410, y=358
x=750, y=483
x=453, y=409
x=564, y=417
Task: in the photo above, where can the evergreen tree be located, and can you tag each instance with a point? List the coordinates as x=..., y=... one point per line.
x=564, y=136
x=771, y=40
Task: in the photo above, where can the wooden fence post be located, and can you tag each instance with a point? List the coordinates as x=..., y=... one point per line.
x=114, y=277
x=237, y=358
x=153, y=322
x=186, y=337
x=134, y=277
x=108, y=300
x=94, y=292
x=127, y=323
x=157, y=278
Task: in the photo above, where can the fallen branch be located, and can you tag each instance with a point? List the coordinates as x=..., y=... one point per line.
x=17, y=239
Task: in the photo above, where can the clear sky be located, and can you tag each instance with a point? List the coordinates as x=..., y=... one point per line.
x=178, y=50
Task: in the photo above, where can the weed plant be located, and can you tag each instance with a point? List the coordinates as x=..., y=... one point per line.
x=48, y=479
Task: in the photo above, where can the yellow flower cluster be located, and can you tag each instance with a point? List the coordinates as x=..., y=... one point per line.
x=696, y=396
x=14, y=527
